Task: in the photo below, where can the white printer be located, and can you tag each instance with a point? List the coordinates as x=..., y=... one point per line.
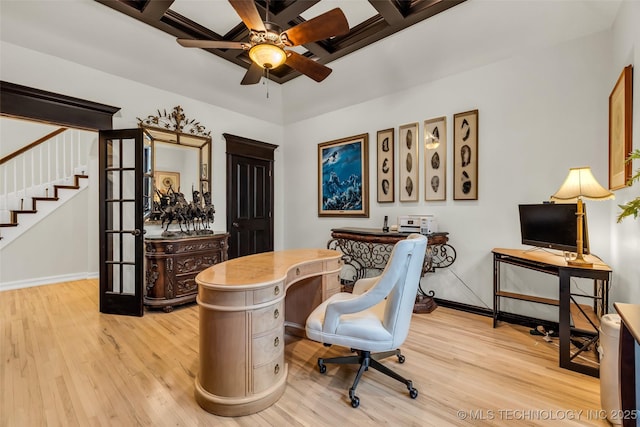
x=423, y=224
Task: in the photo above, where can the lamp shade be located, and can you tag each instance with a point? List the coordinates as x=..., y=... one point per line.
x=267, y=55
x=580, y=183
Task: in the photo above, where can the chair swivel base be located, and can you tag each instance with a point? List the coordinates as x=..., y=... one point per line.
x=365, y=359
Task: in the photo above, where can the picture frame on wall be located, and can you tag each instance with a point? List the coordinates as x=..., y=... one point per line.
x=465, y=155
x=620, y=119
x=385, y=166
x=343, y=177
x=435, y=159
x=165, y=180
x=408, y=162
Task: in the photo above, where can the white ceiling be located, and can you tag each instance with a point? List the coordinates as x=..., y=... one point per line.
x=466, y=36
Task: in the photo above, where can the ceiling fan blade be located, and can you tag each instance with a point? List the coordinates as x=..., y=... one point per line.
x=211, y=44
x=329, y=24
x=253, y=75
x=248, y=12
x=306, y=66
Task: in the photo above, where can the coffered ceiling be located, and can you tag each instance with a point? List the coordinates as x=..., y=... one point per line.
x=86, y=35
x=369, y=22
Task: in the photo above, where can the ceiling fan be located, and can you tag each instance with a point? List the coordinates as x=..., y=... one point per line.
x=267, y=43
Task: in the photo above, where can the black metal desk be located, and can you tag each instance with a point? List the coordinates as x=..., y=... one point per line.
x=549, y=263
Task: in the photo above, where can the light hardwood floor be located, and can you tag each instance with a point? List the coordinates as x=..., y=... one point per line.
x=64, y=363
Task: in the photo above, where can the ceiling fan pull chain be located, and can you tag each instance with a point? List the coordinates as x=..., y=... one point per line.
x=267, y=81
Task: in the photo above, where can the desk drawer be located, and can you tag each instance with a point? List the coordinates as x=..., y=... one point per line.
x=267, y=347
x=268, y=293
x=267, y=375
x=333, y=264
x=267, y=318
x=303, y=271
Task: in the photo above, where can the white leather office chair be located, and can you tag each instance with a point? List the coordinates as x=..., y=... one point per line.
x=375, y=317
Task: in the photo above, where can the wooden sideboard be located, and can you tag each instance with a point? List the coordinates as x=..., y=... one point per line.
x=244, y=306
x=171, y=266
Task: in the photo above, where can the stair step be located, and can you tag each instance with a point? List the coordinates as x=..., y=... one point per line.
x=46, y=199
x=14, y=213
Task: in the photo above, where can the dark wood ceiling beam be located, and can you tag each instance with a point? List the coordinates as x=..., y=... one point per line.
x=389, y=10
x=182, y=27
x=393, y=16
x=155, y=9
x=428, y=8
x=286, y=19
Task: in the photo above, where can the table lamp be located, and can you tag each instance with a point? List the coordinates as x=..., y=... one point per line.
x=581, y=184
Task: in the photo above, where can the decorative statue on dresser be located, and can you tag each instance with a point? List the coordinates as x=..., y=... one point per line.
x=193, y=217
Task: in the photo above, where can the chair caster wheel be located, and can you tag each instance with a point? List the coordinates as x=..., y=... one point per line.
x=413, y=393
x=355, y=401
x=322, y=367
x=401, y=358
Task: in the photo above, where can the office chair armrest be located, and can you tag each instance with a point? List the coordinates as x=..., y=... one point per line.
x=355, y=304
x=363, y=285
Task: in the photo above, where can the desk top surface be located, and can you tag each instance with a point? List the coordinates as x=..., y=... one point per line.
x=550, y=258
x=179, y=236
x=377, y=232
x=630, y=315
x=262, y=268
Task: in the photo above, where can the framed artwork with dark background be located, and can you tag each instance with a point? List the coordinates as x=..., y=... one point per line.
x=343, y=177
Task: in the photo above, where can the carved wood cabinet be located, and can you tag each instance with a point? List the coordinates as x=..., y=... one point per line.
x=171, y=266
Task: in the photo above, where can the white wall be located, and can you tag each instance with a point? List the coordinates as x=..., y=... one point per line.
x=540, y=113
x=625, y=237
x=25, y=67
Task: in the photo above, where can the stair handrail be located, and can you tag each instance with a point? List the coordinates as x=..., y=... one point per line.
x=32, y=145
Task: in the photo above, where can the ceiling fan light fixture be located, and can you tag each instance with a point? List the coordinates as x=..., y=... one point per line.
x=267, y=55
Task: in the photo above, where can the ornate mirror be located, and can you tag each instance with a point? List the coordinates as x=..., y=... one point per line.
x=177, y=157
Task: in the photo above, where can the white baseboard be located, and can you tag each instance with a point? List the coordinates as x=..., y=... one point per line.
x=28, y=283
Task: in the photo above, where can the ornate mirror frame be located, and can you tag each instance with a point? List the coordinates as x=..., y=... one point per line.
x=172, y=143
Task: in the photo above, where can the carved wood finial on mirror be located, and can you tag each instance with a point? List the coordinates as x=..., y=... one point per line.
x=177, y=156
x=175, y=120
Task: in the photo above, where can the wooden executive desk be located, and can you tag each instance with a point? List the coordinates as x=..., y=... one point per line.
x=546, y=262
x=243, y=313
x=629, y=370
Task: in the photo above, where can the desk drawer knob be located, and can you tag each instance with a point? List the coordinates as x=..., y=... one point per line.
x=276, y=369
x=276, y=313
x=276, y=342
x=276, y=290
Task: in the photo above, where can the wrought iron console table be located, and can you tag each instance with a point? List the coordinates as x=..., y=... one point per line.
x=368, y=249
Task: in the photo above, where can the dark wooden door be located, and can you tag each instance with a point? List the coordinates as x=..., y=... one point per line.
x=249, y=196
x=121, y=221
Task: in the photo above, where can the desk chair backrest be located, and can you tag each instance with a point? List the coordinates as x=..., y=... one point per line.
x=403, y=274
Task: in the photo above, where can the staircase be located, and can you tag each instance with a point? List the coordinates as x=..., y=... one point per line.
x=34, y=201
x=36, y=179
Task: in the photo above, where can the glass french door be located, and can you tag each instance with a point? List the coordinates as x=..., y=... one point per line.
x=121, y=161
